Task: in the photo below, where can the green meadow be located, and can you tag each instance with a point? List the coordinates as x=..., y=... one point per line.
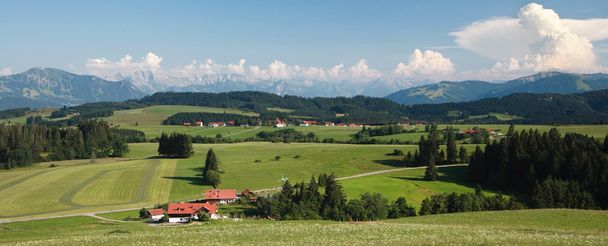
x=525, y=227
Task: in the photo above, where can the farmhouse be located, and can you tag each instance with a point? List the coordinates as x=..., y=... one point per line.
x=279, y=123
x=220, y=196
x=186, y=212
x=187, y=124
x=199, y=123
x=308, y=123
x=330, y=124
x=216, y=124
x=156, y=214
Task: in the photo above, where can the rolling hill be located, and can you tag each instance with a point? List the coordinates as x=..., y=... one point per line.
x=549, y=82
x=526, y=108
x=49, y=87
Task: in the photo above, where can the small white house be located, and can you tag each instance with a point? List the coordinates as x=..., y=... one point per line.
x=156, y=214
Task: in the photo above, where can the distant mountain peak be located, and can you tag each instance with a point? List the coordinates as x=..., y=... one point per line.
x=544, y=82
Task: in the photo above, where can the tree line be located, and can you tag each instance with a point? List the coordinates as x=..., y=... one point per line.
x=22, y=145
x=192, y=118
x=305, y=201
x=568, y=171
x=12, y=113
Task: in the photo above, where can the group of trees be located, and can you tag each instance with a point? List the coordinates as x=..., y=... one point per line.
x=560, y=171
x=466, y=202
x=305, y=201
x=12, y=113
x=176, y=145
x=211, y=170
x=21, y=145
x=367, y=132
x=287, y=135
x=239, y=119
x=429, y=154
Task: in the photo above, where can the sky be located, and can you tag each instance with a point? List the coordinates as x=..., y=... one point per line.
x=319, y=40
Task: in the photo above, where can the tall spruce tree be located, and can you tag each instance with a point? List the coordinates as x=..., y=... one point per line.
x=334, y=200
x=451, y=148
x=211, y=170
x=606, y=144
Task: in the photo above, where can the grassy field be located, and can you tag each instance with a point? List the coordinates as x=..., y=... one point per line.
x=43, y=112
x=142, y=180
x=411, y=184
x=76, y=188
x=526, y=227
x=154, y=115
x=149, y=120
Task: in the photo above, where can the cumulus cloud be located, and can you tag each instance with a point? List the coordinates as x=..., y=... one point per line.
x=425, y=65
x=125, y=65
x=6, y=71
x=537, y=40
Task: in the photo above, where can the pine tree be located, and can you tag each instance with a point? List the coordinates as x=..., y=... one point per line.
x=425, y=207
x=211, y=171
x=430, y=173
x=334, y=200
x=463, y=155
x=451, y=147
x=211, y=162
x=606, y=144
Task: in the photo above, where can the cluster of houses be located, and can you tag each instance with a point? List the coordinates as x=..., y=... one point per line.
x=184, y=212
x=280, y=123
x=212, y=123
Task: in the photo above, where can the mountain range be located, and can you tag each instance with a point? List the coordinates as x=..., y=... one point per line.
x=470, y=90
x=49, y=87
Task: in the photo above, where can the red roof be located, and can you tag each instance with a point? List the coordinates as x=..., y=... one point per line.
x=190, y=208
x=216, y=194
x=310, y=122
x=210, y=207
x=154, y=212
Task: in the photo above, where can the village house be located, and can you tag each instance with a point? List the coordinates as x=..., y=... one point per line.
x=186, y=212
x=156, y=214
x=224, y=196
x=199, y=123
x=216, y=124
x=187, y=124
x=308, y=123
x=330, y=124
x=279, y=123
x=232, y=123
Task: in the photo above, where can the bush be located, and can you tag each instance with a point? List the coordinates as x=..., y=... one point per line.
x=297, y=156
x=257, y=161
x=278, y=157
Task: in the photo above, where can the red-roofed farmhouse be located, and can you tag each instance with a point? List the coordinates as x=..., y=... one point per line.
x=220, y=196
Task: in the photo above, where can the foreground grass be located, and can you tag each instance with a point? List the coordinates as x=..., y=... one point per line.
x=528, y=227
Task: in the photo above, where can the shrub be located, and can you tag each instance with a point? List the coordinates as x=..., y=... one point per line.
x=278, y=157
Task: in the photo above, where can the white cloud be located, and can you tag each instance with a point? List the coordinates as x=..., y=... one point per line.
x=360, y=71
x=425, y=65
x=277, y=70
x=6, y=71
x=126, y=65
x=537, y=40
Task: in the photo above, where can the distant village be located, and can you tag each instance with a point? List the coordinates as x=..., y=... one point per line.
x=279, y=123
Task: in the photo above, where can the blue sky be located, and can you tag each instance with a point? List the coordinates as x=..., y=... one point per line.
x=65, y=34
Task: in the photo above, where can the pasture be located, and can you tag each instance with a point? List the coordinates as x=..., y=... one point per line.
x=525, y=227
x=149, y=120
x=411, y=184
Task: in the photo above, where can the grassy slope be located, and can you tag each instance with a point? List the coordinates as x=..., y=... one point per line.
x=411, y=184
x=528, y=227
x=84, y=187
x=154, y=115
x=43, y=112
